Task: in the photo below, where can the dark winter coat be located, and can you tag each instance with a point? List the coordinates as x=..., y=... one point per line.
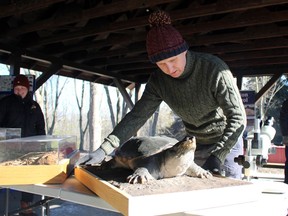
x=284, y=119
x=26, y=114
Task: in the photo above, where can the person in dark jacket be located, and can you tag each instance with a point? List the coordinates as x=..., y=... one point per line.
x=284, y=131
x=19, y=110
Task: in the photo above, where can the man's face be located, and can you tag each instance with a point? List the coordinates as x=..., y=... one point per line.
x=20, y=91
x=173, y=66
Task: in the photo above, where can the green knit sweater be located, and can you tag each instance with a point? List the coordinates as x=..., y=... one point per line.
x=205, y=97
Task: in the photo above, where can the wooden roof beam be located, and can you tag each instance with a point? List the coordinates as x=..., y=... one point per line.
x=176, y=15
x=22, y=7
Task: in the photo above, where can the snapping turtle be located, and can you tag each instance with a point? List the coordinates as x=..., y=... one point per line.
x=156, y=158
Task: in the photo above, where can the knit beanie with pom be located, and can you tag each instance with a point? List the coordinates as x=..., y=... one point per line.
x=163, y=40
x=21, y=80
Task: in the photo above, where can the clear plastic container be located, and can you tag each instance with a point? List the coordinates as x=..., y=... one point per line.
x=9, y=133
x=37, y=150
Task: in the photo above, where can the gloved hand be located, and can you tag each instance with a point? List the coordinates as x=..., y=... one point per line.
x=213, y=164
x=95, y=157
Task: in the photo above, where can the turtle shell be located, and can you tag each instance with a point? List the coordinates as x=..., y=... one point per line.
x=144, y=146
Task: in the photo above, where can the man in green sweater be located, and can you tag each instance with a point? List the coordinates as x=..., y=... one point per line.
x=199, y=88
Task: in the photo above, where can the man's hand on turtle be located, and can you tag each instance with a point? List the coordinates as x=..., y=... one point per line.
x=213, y=164
x=95, y=157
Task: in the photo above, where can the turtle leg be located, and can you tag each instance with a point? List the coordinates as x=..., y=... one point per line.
x=195, y=170
x=141, y=175
x=110, y=164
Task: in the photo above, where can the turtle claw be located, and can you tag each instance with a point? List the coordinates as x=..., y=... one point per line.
x=195, y=170
x=132, y=179
x=205, y=174
x=141, y=176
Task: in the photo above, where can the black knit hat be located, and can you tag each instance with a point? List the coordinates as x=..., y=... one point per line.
x=163, y=40
x=21, y=80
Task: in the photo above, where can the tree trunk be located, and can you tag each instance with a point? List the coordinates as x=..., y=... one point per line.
x=80, y=108
x=109, y=102
x=94, y=117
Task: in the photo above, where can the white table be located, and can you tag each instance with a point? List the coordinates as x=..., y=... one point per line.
x=71, y=190
x=273, y=203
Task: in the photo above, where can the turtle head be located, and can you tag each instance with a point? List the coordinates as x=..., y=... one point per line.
x=186, y=145
x=189, y=142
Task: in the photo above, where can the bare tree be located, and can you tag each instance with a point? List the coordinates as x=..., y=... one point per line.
x=110, y=106
x=118, y=107
x=53, y=100
x=125, y=105
x=95, y=127
x=48, y=97
x=80, y=102
x=45, y=105
x=121, y=106
x=267, y=100
x=39, y=94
